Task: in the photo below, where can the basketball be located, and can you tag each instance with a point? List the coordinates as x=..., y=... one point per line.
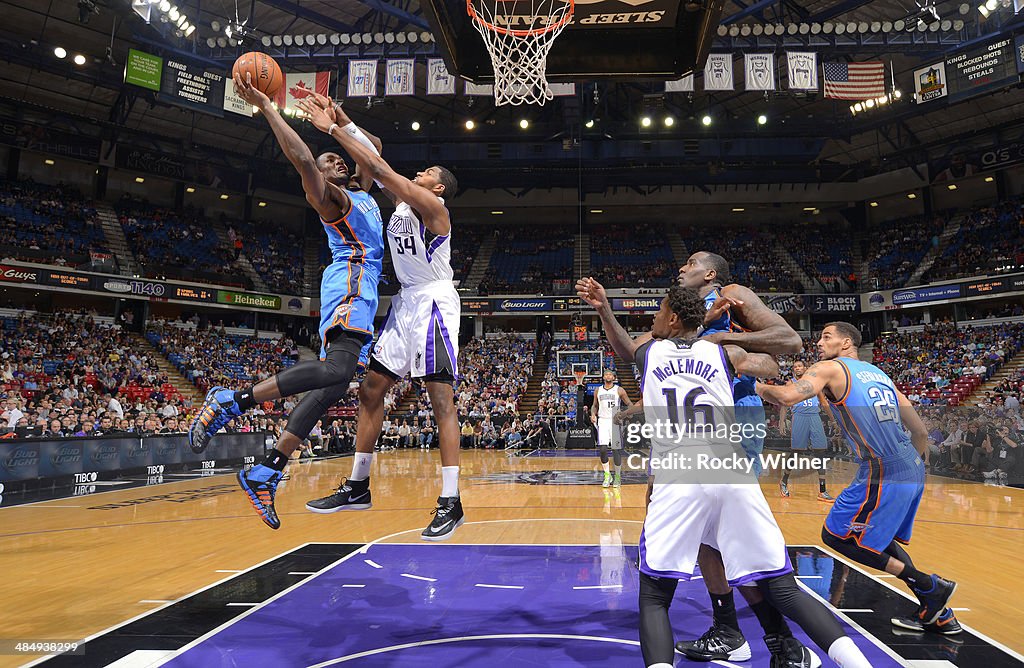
x=265, y=74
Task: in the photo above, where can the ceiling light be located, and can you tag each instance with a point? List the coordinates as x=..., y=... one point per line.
x=989, y=179
x=762, y=119
x=165, y=7
x=79, y=59
x=497, y=213
x=874, y=203
x=952, y=186
x=261, y=204
x=669, y=121
x=911, y=195
x=645, y=121
x=48, y=161
x=589, y=123
x=189, y=30
x=415, y=126
x=470, y=125
x=139, y=179
x=706, y=120
x=524, y=123
x=190, y=189
x=224, y=196
x=173, y=14
x=738, y=209
x=60, y=52
x=597, y=211
x=808, y=208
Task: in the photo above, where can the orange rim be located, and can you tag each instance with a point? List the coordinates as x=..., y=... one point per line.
x=520, y=33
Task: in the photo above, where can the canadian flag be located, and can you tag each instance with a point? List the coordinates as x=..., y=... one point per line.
x=298, y=85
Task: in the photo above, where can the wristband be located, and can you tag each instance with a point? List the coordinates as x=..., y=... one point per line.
x=331, y=129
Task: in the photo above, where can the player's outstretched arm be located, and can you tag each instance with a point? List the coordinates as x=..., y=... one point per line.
x=592, y=292
x=913, y=423
x=758, y=365
x=769, y=332
x=817, y=378
x=294, y=148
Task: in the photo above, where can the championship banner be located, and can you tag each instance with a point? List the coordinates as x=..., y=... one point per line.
x=930, y=83
x=362, y=78
x=718, y=72
x=439, y=81
x=802, y=70
x=684, y=85
x=300, y=85
x=400, y=77
x=759, y=71
x=235, y=104
x=485, y=90
x=1018, y=48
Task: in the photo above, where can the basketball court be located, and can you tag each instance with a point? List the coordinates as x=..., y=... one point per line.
x=542, y=573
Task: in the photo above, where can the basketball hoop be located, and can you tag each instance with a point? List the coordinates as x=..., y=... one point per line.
x=520, y=56
x=580, y=377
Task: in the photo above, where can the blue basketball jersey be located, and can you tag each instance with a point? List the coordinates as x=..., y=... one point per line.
x=869, y=413
x=742, y=386
x=807, y=407
x=358, y=237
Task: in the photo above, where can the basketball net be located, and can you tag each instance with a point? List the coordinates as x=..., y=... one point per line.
x=580, y=377
x=520, y=57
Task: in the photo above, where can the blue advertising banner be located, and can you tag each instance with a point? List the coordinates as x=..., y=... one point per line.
x=916, y=295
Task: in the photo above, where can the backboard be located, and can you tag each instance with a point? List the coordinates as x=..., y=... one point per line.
x=607, y=39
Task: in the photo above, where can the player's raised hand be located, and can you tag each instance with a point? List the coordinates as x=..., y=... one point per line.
x=315, y=114
x=245, y=90
x=720, y=308
x=592, y=292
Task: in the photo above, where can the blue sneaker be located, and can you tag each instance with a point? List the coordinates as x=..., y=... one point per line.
x=218, y=409
x=260, y=483
x=934, y=600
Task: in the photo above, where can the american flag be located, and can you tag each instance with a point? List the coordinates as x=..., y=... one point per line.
x=854, y=81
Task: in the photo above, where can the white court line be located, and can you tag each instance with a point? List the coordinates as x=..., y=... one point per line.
x=808, y=577
x=353, y=586
x=302, y=573
x=240, y=605
x=960, y=609
x=372, y=563
x=854, y=609
x=152, y=612
x=490, y=586
x=906, y=595
x=418, y=577
x=141, y=658
x=227, y=571
x=618, y=586
x=262, y=605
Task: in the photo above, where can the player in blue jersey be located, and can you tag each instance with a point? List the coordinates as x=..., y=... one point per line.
x=348, y=297
x=807, y=432
x=875, y=514
x=735, y=315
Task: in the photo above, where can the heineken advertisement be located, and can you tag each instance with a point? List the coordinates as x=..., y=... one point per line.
x=270, y=302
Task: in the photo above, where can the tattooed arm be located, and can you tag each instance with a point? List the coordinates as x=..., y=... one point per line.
x=823, y=375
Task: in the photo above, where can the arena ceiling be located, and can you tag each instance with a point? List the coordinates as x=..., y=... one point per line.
x=35, y=82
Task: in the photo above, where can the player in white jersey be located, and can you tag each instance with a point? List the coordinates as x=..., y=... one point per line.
x=420, y=337
x=687, y=395
x=608, y=399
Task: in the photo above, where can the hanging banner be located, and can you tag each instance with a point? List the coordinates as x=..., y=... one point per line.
x=300, y=85
x=485, y=90
x=930, y=83
x=759, y=71
x=718, y=72
x=439, y=81
x=400, y=77
x=362, y=78
x=235, y=104
x=684, y=85
x=802, y=70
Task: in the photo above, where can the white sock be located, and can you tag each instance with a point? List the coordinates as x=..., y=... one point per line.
x=660, y=665
x=449, y=481
x=361, y=465
x=605, y=466
x=846, y=654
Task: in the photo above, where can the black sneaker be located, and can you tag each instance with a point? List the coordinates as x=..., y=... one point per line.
x=719, y=643
x=946, y=624
x=934, y=601
x=353, y=495
x=448, y=517
x=788, y=652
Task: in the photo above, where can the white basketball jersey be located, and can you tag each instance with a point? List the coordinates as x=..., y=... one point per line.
x=681, y=377
x=419, y=257
x=608, y=401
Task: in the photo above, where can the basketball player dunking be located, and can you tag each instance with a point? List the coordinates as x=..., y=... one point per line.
x=421, y=330
x=686, y=375
x=765, y=331
x=807, y=432
x=876, y=512
x=348, y=295
x=607, y=400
